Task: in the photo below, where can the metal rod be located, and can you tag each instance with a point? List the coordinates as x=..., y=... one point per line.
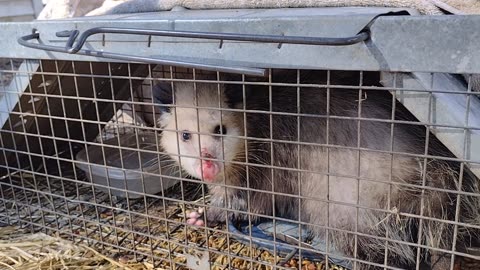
x=131, y=58
x=342, y=41
x=74, y=46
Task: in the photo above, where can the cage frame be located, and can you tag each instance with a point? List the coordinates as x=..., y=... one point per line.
x=382, y=52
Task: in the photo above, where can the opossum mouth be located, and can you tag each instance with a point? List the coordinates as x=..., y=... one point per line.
x=209, y=170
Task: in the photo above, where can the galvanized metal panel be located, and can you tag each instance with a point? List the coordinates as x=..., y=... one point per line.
x=398, y=43
x=233, y=14
x=12, y=92
x=13, y=8
x=427, y=43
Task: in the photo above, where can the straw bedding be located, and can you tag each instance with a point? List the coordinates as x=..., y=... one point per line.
x=62, y=225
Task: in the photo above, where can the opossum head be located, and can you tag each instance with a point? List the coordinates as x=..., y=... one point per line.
x=203, y=141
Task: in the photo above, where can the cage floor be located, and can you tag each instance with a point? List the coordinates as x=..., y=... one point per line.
x=145, y=233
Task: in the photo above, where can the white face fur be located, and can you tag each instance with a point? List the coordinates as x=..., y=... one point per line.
x=180, y=126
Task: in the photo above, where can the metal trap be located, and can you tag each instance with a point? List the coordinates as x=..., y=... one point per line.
x=82, y=156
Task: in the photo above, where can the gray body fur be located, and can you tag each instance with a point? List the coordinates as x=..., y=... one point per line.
x=331, y=200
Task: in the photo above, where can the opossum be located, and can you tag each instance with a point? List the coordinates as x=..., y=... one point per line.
x=313, y=161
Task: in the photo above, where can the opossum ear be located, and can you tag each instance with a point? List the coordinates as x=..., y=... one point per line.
x=234, y=95
x=234, y=91
x=162, y=93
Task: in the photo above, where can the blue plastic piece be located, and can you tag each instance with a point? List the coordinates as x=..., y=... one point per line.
x=262, y=237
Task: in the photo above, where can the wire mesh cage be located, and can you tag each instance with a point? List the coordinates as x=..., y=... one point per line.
x=154, y=166
x=71, y=106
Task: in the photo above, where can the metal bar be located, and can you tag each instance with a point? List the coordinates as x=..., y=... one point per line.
x=342, y=41
x=131, y=58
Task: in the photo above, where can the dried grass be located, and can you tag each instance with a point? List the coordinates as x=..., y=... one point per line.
x=67, y=231
x=62, y=225
x=21, y=250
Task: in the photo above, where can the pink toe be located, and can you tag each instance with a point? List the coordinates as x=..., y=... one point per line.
x=199, y=223
x=194, y=215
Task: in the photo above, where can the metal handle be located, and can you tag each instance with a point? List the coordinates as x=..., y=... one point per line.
x=74, y=46
x=362, y=36
x=131, y=58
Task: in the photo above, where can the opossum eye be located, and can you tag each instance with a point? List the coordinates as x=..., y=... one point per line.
x=220, y=130
x=186, y=136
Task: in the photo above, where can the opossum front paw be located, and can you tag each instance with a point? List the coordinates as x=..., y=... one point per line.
x=195, y=218
x=214, y=217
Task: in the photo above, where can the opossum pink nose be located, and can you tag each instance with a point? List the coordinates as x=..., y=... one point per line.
x=206, y=153
x=210, y=170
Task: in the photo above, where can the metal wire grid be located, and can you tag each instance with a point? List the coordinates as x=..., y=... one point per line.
x=41, y=188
